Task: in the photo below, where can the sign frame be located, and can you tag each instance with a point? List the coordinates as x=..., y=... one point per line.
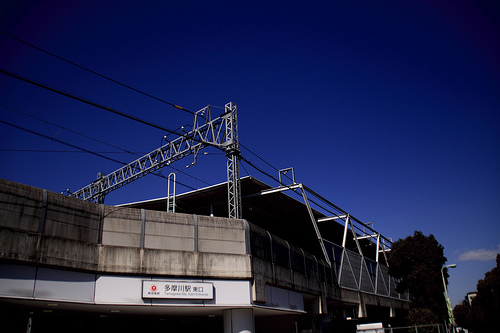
x=174, y=289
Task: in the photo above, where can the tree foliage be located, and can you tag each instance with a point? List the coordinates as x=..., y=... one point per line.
x=420, y=316
x=416, y=261
x=483, y=314
x=461, y=314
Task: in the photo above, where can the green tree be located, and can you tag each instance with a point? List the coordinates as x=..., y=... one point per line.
x=417, y=261
x=420, y=316
x=485, y=307
x=461, y=314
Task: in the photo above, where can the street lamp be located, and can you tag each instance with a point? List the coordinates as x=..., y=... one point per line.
x=448, y=304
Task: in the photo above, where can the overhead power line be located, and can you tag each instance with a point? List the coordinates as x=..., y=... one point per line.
x=79, y=148
x=59, y=151
x=95, y=73
x=263, y=160
x=59, y=141
x=110, y=109
x=123, y=163
x=88, y=137
x=66, y=129
x=260, y=158
x=81, y=99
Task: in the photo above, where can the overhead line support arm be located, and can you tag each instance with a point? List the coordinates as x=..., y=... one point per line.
x=218, y=132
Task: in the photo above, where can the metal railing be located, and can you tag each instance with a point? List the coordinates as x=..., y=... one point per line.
x=431, y=328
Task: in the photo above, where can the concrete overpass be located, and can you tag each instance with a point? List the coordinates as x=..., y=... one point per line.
x=67, y=264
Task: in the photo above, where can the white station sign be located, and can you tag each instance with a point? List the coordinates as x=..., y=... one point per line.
x=177, y=290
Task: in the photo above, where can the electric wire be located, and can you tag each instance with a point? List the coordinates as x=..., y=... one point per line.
x=68, y=130
x=260, y=158
x=39, y=84
x=103, y=107
x=111, y=110
x=282, y=184
x=260, y=170
x=58, y=151
x=263, y=160
x=94, y=139
x=243, y=166
x=116, y=111
x=95, y=73
x=59, y=141
x=316, y=195
x=81, y=99
x=80, y=148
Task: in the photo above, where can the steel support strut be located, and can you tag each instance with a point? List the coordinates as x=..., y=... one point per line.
x=233, y=162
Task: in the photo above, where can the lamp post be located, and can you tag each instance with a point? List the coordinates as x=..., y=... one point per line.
x=448, y=304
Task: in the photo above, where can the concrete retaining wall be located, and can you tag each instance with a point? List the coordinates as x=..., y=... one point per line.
x=41, y=227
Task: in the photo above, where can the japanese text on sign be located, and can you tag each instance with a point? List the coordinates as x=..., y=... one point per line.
x=177, y=289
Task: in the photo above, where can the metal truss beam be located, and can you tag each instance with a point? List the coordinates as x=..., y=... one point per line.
x=367, y=236
x=315, y=225
x=332, y=218
x=280, y=189
x=206, y=132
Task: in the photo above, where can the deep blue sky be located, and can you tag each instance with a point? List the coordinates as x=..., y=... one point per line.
x=389, y=109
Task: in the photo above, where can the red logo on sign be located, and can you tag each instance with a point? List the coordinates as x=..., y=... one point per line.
x=153, y=287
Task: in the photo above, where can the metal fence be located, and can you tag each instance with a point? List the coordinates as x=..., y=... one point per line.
x=432, y=328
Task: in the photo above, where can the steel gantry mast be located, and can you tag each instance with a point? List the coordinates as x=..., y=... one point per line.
x=233, y=163
x=220, y=132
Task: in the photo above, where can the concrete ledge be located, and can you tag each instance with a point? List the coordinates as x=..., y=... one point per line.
x=46, y=228
x=21, y=206
x=35, y=249
x=18, y=245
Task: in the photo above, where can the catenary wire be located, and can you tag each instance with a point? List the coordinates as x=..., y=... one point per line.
x=115, y=111
x=110, y=109
x=103, y=107
x=66, y=129
x=81, y=99
x=114, y=160
x=59, y=141
x=95, y=73
x=277, y=180
x=80, y=148
x=124, y=85
x=25, y=79
x=260, y=158
x=59, y=151
x=263, y=160
x=94, y=139
x=20, y=77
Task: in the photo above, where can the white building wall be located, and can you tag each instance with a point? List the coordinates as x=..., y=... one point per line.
x=39, y=283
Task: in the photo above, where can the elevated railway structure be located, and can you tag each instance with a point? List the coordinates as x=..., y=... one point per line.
x=65, y=263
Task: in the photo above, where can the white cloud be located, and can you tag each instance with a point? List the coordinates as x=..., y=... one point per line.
x=479, y=255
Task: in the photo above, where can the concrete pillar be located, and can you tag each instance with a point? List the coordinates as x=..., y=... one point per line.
x=239, y=321
x=362, y=306
x=362, y=311
x=323, y=306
